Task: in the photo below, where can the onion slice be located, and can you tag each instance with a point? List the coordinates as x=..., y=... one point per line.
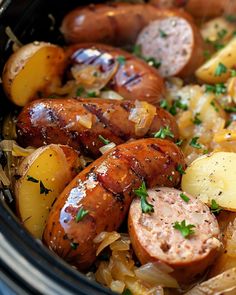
x=107, y=147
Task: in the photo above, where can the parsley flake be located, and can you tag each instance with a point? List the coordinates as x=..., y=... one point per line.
x=184, y=197
x=230, y=109
x=196, y=119
x=164, y=104
x=180, y=169
x=126, y=292
x=163, y=133
x=152, y=62
x=74, y=245
x=121, y=59
x=32, y=179
x=80, y=91
x=103, y=140
x=163, y=34
x=194, y=143
x=185, y=230
x=137, y=50
x=141, y=192
x=91, y=94
x=233, y=72
x=220, y=69
x=215, y=208
x=179, y=142
x=43, y=189
x=81, y=214
x=213, y=104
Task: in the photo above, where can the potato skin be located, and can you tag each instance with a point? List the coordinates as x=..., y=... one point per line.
x=48, y=121
x=105, y=189
x=17, y=63
x=134, y=79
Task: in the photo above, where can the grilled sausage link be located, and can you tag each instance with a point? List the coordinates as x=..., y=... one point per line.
x=105, y=190
x=78, y=123
x=154, y=237
x=117, y=23
x=133, y=79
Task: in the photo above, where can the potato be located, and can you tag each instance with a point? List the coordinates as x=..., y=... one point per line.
x=226, y=56
x=213, y=177
x=31, y=71
x=43, y=176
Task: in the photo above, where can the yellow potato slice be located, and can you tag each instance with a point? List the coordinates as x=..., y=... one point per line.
x=32, y=71
x=226, y=56
x=44, y=174
x=213, y=177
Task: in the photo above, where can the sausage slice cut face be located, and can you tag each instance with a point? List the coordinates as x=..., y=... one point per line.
x=175, y=43
x=155, y=238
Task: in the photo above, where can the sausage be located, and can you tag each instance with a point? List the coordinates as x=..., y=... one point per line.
x=116, y=23
x=200, y=9
x=105, y=190
x=134, y=78
x=154, y=238
x=176, y=43
x=46, y=121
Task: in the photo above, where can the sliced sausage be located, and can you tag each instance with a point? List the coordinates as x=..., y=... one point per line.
x=105, y=190
x=176, y=43
x=116, y=23
x=134, y=78
x=79, y=122
x=154, y=237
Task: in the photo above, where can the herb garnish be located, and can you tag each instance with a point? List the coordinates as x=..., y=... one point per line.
x=43, y=189
x=79, y=91
x=137, y=50
x=177, y=105
x=179, y=168
x=81, y=214
x=194, y=143
x=170, y=177
x=164, y=104
x=31, y=178
x=141, y=192
x=185, y=230
x=179, y=142
x=215, y=208
x=233, y=72
x=230, y=109
x=163, y=133
x=220, y=69
x=126, y=292
x=222, y=33
x=214, y=106
x=196, y=119
x=184, y=197
x=163, y=34
x=91, y=94
x=103, y=140
x=219, y=88
x=121, y=59
x=74, y=245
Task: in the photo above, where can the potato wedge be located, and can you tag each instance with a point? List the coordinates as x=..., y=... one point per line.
x=44, y=174
x=226, y=56
x=213, y=177
x=31, y=71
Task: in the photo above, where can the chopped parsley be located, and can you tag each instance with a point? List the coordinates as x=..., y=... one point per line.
x=231, y=18
x=163, y=133
x=164, y=104
x=230, y=109
x=213, y=104
x=184, y=197
x=228, y=122
x=74, y=245
x=233, y=72
x=220, y=69
x=196, y=119
x=126, y=292
x=80, y=91
x=206, y=54
x=170, y=177
x=137, y=50
x=163, y=34
x=194, y=143
x=43, y=189
x=180, y=169
x=32, y=179
x=222, y=33
x=152, y=62
x=179, y=142
x=121, y=59
x=103, y=140
x=81, y=214
x=141, y=192
x=184, y=229
x=177, y=105
x=215, y=208
x=91, y=94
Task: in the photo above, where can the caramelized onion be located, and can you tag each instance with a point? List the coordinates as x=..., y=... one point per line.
x=106, y=239
x=107, y=147
x=110, y=94
x=85, y=120
x=142, y=115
